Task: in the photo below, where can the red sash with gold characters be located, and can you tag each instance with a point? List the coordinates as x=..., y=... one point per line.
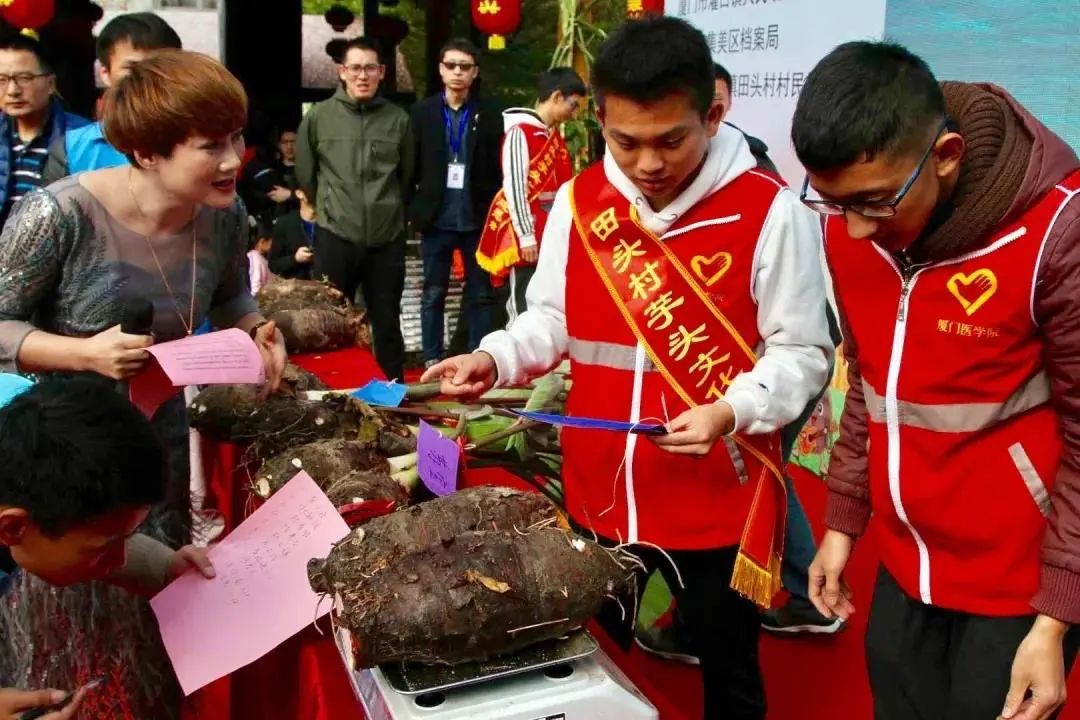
x=694, y=346
x=498, y=249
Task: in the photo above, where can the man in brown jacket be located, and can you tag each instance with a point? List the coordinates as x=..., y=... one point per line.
x=953, y=236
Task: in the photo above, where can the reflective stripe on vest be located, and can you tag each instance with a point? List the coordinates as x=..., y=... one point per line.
x=960, y=417
x=606, y=354
x=615, y=356
x=1034, y=483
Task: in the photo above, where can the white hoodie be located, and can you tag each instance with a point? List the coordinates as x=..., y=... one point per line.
x=788, y=287
x=515, y=166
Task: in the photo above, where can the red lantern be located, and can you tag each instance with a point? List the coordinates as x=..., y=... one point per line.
x=33, y=14
x=636, y=9
x=497, y=18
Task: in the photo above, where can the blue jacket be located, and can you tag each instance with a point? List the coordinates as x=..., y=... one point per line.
x=87, y=149
x=61, y=122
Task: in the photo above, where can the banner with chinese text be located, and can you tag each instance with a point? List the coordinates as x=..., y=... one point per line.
x=769, y=46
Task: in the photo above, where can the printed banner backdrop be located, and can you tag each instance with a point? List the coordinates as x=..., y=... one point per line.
x=769, y=46
x=813, y=448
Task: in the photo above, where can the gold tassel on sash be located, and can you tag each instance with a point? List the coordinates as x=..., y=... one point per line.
x=754, y=582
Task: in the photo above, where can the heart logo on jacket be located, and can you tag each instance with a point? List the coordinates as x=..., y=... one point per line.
x=973, y=290
x=710, y=269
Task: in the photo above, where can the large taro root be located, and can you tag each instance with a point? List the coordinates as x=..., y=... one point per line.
x=234, y=413
x=326, y=461
x=365, y=485
x=477, y=596
x=318, y=329
x=366, y=424
x=291, y=294
x=384, y=539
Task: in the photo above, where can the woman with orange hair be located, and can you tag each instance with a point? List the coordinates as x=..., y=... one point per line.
x=166, y=228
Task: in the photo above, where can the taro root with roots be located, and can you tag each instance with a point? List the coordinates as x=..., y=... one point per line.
x=234, y=413
x=319, y=328
x=292, y=294
x=476, y=596
x=382, y=540
x=364, y=485
x=326, y=461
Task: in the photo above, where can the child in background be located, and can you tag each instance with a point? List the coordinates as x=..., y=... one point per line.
x=258, y=253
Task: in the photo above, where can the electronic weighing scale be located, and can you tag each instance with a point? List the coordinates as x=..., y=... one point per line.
x=565, y=679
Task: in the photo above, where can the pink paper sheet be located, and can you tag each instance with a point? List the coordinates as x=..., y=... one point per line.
x=260, y=597
x=218, y=358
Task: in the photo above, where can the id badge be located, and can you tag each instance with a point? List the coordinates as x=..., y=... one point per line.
x=455, y=176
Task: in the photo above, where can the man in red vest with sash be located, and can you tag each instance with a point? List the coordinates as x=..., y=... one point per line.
x=953, y=238
x=685, y=286
x=535, y=163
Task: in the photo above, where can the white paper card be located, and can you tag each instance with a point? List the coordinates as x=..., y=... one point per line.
x=455, y=176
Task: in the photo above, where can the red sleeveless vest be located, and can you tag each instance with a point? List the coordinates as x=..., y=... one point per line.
x=964, y=444
x=624, y=487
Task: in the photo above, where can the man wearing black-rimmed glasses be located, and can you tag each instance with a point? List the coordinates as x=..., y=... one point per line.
x=458, y=138
x=32, y=118
x=953, y=235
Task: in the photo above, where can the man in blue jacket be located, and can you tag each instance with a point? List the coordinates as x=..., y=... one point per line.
x=33, y=117
x=125, y=40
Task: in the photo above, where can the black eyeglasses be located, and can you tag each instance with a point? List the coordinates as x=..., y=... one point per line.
x=21, y=79
x=463, y=66
x=369, y=69
x=883, y=209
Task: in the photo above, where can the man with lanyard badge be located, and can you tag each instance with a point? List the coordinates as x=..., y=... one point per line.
x=458, y=138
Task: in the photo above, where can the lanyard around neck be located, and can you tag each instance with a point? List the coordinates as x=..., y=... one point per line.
x=456, y=136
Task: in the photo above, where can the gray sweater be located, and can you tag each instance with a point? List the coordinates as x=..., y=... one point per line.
x=146, y=568
x=67, y=266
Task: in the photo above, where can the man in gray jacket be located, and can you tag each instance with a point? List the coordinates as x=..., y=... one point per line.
x=354, y=160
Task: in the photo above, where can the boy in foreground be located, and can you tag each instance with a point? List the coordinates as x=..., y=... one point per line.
x=82, y=467
x=953, y=237
x=661, y=270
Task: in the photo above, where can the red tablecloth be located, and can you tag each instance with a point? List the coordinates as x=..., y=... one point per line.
x=303, y=679
x=808, y=679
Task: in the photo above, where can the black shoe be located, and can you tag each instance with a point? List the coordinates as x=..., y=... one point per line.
x=799, y=616
x=666, y=643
